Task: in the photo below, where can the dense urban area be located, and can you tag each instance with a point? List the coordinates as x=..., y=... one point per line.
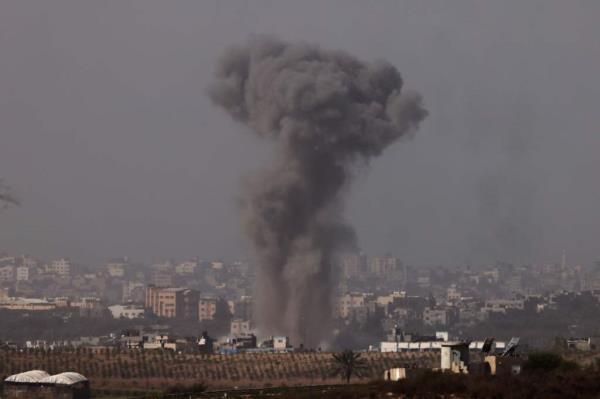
x=134, y=326
x=53, y=303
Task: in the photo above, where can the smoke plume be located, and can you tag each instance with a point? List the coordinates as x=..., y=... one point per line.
x=6, y=198
x=327, y=111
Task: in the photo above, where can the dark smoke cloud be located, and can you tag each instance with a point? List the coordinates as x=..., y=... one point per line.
x=326, y=111
x=6, y=197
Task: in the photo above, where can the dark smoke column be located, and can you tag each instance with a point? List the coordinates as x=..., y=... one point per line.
x=327, y=111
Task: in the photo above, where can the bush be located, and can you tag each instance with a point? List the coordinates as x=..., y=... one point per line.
x=548, y=361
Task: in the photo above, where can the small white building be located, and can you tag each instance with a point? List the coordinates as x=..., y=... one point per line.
x=126, y=311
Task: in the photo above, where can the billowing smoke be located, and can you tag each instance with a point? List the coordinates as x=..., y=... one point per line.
x=327, y=112
x=6, y=197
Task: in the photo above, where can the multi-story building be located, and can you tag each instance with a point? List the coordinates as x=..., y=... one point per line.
x=502, y=305
x=7, y=273
x=60, y=267
x=116, y=268
x=181, y=303
x=353, y=264
x=384, y=265
x=242, y=308
x=440, y=317
x=206, y=308
x=133, y=291
x=22, y=273
x=188, y=267
x=345, y=303
x=126, y=311
x=240, y=327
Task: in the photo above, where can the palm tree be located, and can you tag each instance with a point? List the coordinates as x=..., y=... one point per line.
x=347, y=363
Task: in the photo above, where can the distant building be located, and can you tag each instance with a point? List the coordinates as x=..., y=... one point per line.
x=181, y=303
x=353, y=264
x=188, y=267
x=116, y=268
x=90, y=307
x=29, y=304
x=126, y=311
x=207, y=308
x=240, y=328
x=22, y=273
x=7, y=273
x=39, y=384
x=440, y=317
x=60, y=267
x=384, y=265
x=502, y=305
x=345, y=303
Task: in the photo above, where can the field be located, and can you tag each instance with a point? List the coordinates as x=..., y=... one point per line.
x=134, y=369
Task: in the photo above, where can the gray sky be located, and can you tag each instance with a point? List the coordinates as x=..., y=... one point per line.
x=108, y=137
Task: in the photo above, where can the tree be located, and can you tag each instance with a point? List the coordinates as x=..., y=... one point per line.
x=6, y=198
x=348, y=363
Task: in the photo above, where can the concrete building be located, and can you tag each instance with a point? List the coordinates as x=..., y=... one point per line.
x=126, y=311
x=7, y=273
x=440, y=317
x=29, y=304
x=240, y=328
x=207, y=308
x=345, y=303
x=502, y=305
x=117, y=267
x=455, y=357
x=186, y=268
x=179, y=303
x=37, y=384
x=22, y=273
x=353, y=264
x=60, y=267
x=384, y=265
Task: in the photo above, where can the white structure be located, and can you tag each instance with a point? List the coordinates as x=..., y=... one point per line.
x=116, y=268
x=188, y=267
x=31, y=376
x=22, y=273
x=455, y=357
x=280, y=343
x=427, y=346
x=395, y=374
x=126, y=311
x=502, y=305
x=61, y=267
x=66, y=378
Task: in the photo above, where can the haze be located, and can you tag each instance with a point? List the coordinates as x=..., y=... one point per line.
x=110, y=141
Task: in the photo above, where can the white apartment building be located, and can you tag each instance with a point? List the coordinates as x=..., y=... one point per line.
x=345, y=303
x=384, y=265
x=23, y=273
x=126, y=311
x=61, y=267
x=188, y=267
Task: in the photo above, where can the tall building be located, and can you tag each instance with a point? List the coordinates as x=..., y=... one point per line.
x=384, y=265
x=181, y=303
x=61, y=267
x=353, y=264
x=206, y=308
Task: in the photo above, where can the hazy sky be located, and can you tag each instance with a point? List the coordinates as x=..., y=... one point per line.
x=108, y=137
